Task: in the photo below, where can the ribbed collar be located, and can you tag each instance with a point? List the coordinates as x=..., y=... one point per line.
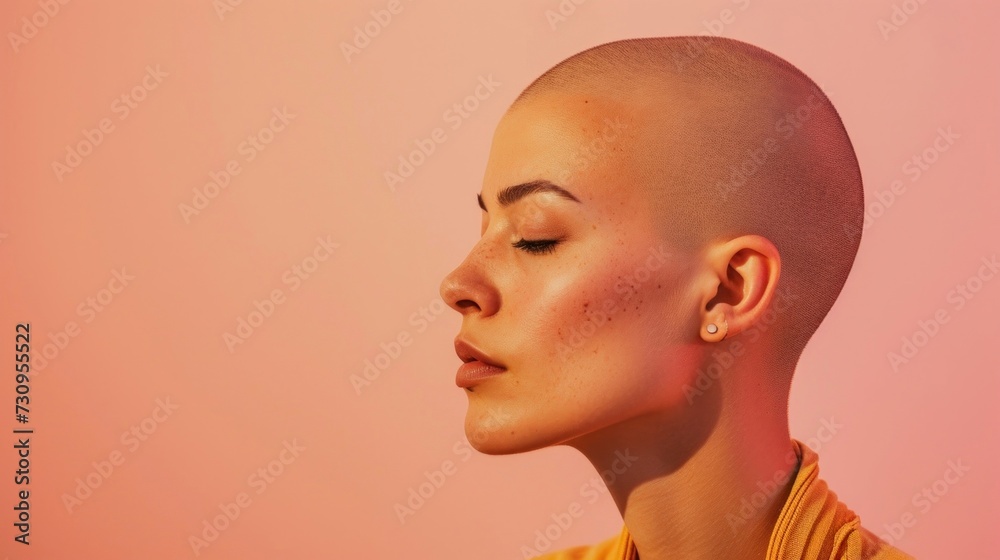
x=812, y=525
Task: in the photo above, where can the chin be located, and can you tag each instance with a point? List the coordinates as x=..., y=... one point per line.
x=506, y=444
x=497, y=446
x=491, y=431
x=499, y=434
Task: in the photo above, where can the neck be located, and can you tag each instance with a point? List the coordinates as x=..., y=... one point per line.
x=705, y=483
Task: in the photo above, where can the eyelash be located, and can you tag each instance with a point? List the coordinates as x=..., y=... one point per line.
x=536, y=247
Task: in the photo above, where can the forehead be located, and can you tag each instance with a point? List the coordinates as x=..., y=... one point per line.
x=572, y=140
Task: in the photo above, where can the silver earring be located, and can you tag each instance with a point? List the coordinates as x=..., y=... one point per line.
x=712, y=328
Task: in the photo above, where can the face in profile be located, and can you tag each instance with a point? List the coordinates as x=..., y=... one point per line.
x=593, y=315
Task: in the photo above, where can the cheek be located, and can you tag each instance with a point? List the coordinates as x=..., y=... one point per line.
x=605, y=312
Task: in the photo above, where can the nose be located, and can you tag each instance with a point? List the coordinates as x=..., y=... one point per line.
x=468, y=289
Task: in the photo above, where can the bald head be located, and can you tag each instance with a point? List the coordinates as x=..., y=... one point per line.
x=733, y=141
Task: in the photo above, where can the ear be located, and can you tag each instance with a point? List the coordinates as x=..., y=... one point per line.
x=739, y=284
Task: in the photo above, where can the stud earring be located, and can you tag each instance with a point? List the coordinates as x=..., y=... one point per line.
x=712, y=328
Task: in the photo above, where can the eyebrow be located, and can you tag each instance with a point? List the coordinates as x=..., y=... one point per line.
x=510, y=195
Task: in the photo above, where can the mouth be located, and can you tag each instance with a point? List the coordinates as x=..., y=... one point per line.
x=476, y=364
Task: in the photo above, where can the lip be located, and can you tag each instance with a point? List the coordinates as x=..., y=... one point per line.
x=477, y=364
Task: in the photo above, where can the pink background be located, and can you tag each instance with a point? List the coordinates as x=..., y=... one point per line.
x=320, y=175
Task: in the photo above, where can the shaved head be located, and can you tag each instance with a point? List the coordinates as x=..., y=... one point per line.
x=665, y=224
x=733, y=141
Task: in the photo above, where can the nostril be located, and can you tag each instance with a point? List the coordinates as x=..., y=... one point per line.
x=468, y=289
x=464, y=303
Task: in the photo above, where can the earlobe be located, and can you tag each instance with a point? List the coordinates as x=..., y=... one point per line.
x=712, y=332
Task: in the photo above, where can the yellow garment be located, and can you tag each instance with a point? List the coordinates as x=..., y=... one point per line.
x=813, y=525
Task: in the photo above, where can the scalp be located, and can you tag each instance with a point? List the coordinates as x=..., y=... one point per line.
x=735, y=141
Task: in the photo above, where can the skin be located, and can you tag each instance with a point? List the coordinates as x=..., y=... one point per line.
x=621, y=386
x=689, y=168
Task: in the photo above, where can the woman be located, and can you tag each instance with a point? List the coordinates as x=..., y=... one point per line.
x=666, y=222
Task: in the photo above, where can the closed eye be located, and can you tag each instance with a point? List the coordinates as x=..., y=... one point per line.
x=536, y=246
